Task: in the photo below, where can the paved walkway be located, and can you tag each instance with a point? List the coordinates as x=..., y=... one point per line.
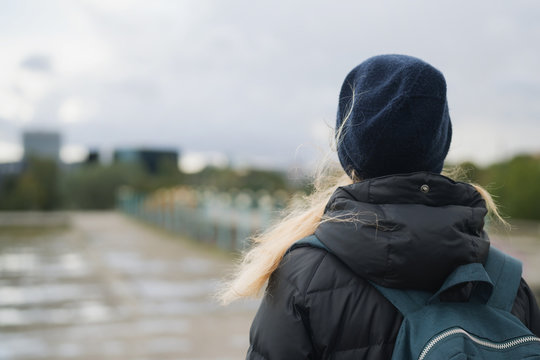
x=525, y=247
x=108, y=287
x=111, y=288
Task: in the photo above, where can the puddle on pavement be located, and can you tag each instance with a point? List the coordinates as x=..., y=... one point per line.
x=195, y=266
x=20, y=262
x=47, y=293
x=68, y=296
x=73, y=264
x=83, y=312
x=23, y=347
x=165, y=345
x=135, y=264
x=158, y=289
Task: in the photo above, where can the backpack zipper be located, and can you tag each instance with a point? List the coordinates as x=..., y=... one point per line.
x=493, y=345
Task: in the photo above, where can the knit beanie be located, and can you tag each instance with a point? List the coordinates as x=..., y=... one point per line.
x=396, y=118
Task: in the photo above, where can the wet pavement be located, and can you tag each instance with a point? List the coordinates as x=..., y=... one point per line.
x=108, y=287
x=524, y=246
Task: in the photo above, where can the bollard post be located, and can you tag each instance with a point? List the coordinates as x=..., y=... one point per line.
x=243, y=207
x=223, y=221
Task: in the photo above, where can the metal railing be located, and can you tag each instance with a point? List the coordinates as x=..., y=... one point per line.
x=226, y=219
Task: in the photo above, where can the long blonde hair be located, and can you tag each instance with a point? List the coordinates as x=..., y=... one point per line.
x=302, y=218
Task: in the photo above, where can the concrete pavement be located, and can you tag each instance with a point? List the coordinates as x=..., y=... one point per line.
x=108, y=287
x=99, y=285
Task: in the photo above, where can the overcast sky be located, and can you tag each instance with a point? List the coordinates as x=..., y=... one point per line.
x=256, y=81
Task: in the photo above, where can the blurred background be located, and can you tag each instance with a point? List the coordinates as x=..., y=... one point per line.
x=142, y=143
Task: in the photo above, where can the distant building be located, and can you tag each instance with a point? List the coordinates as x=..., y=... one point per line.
x=42, y=144
x=153, y=160
x=92, y=157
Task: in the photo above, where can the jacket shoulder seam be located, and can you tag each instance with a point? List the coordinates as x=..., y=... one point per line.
x=313, y=292
x=253, y=351
x=312, y=276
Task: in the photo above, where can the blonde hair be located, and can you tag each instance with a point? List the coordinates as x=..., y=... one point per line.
x=303, y=216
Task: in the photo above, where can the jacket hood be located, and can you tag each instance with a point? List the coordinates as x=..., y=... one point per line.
x=407, y=231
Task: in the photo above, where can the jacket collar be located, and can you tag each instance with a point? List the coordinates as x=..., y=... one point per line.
x=407, y=230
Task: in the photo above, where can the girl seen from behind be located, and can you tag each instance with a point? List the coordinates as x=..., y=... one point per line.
x=387, y=218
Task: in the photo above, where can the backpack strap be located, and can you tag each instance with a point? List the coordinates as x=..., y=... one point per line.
x=505, y=273
x=473, y=272
x=406, y=301
x=497, y=284
x=310, y=240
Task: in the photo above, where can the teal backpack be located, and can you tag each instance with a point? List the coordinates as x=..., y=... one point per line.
x=481, y=328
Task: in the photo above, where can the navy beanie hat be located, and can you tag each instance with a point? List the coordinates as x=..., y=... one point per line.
x=396, y=118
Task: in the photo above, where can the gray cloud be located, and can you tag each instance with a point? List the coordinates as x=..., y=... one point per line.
x=37, y=62
x=252, y=79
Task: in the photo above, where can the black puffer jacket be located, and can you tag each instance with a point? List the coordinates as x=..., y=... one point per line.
x=319, y=305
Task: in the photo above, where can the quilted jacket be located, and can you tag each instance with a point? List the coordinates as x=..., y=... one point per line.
x=408, y=231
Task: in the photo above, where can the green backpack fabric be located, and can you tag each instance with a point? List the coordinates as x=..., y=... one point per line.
x=480, y=328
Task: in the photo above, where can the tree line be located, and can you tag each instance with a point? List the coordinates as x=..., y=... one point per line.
x=43, y=185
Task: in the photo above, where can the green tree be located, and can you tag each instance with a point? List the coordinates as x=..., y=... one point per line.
x=36, y=188
x=94, y=186
x=515, y=183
